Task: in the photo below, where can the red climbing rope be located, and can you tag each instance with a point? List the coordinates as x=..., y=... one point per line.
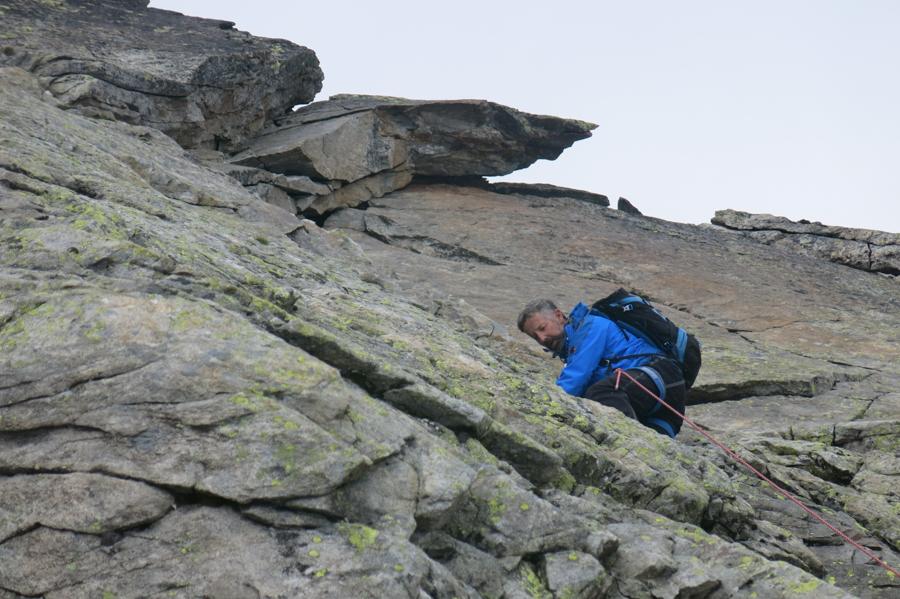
x=740, y=460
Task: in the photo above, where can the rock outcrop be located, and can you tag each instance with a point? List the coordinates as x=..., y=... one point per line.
x=363, y=147
x=544, y=190
x=874, y=251
x=626, y=206
x=203, y=394
x=199, y=80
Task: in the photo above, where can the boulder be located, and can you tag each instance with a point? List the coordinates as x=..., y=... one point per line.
x=626, y=206
x=201, y=81
x=379, y=143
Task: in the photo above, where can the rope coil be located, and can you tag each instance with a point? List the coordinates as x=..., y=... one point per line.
x=731, y=453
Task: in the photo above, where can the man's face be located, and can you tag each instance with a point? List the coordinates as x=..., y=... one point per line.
x=547, y=328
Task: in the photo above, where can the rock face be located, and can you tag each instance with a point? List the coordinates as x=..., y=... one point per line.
x=790, y=369
x=203, y=395
x=543, y=190
x=874, y=251
x=367, y=146
x=198, y=80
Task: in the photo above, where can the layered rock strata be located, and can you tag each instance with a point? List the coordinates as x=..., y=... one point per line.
x=199, y=80
x=227, y=400
x=792, y=375
x=244, y=401
x=363, y=147
x=543, y=190
x=874, y=251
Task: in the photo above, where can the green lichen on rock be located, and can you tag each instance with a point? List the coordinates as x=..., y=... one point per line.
x=532, y=583
x=360, y=536
x=160, y=323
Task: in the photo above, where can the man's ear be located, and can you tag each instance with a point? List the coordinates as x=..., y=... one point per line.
x=560, y=315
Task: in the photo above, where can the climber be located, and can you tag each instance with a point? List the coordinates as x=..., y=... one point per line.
x=593, y=347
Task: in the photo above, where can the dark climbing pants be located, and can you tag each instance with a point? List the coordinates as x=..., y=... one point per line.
x=663, y=377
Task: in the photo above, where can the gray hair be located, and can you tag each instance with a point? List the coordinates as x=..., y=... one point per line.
x=534, y=307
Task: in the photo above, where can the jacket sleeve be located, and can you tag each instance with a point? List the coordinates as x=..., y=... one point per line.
x=588, y=348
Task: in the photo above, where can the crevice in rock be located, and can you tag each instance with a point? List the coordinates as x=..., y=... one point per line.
x=326, y=516
x=846, y=365
x=42, y=430
x=769, y=328
x=533, y=461
x=19, y=171
x=547, y=191
x=460, y=181
x=78, y=382
x=110, y=79
x=16, y=315
x=16, y=594
x=428, y=246
x=656, y=495
x=417, y=244
x=754, y=388
x=182, y=497
x=79, y=186
x=827, y=234
x=858, y=259
x=286, y=122
x=421, y=244
x=862, y=413
x=351, y=367
x=320, y=219
x=22, y=533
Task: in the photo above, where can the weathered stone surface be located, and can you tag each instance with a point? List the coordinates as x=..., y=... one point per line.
x=59, y=414
x=249, y=176
x=875, y=251
x=275, y=196
x=574, y=574
x=346, y=218
x=198, y=80
x=753, y=322
x=544, y=190
x=627, y=207
x=359, y=191
x=87, y=503
x=331, y=413
x=202, y=551
x=381, y=143
x=790, y=353
x=671, y=560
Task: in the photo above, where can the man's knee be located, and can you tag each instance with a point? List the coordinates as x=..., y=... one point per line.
x=660, y=381
x=604, y=392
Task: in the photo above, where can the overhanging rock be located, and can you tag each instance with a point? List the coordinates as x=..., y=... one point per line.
x=198, y=80
x=387, y=141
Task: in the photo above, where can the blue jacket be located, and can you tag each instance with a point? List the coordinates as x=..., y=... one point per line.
x=590, y=339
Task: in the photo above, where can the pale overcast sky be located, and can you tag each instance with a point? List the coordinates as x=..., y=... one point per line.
x=788, y=107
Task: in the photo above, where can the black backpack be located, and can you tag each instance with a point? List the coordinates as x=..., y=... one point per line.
x=633, y=314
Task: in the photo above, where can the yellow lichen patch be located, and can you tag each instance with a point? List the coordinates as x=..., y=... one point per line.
x=359, y=535
x=802, y=588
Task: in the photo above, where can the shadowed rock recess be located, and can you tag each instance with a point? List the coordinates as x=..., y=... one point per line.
x=204, y=394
